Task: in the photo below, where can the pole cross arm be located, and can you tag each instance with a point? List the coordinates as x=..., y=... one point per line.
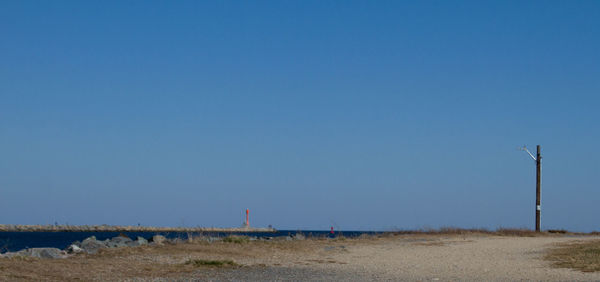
x=530, y=154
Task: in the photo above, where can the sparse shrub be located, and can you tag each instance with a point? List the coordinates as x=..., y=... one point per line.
x=520, y=232
x=213, y=263
x=466, y=231
x=558, y=231
x=236, y=239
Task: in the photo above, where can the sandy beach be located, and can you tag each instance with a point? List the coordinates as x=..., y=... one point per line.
x=399, y=258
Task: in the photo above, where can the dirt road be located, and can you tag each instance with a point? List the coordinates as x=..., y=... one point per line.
x=458, y=258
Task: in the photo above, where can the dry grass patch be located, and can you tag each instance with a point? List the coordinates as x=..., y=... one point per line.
x=213, y=263
x=518, y=232
x=236, y=239
x=582, y=255
x=170, y=261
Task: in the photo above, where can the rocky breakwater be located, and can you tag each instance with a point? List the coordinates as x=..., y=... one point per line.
x=118, y=228
x=90, y=245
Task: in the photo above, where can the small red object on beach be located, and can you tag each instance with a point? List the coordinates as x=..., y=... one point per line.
x=332, y=230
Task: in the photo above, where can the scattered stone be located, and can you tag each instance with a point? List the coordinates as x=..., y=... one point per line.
x=74, y=249
x=50, y=253
x=158, y=239
x=8, y=255
x=118, y=242
x=299, y=236
x=139, y=242
x=91, y=245
x=142, y=240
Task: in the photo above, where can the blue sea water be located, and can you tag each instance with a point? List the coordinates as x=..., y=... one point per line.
x=14, y=241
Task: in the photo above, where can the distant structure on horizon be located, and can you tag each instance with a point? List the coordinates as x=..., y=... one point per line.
x=247, y=223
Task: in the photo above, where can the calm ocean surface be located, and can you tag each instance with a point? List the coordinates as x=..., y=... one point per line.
x=14, y=241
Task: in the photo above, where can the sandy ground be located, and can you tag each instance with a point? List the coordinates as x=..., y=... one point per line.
x=398, y=258
x=456, y=258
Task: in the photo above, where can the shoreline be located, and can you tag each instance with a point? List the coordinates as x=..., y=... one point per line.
x=117, y=228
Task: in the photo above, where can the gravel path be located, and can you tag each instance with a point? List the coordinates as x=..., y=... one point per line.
x=468, y=258
x=441, y=259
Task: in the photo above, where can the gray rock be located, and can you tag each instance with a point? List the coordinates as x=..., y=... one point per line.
x=74, y=249
x=50, y=253
x=91, y=245
x=299, y=236
x=20, y=253
x=139, y=242
x=158, y=239
x=142, y=240
x=118, y=242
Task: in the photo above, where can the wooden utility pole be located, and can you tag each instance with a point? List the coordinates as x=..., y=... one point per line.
x=538, y=189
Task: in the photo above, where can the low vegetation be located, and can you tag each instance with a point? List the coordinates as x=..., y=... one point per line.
x=214, y=263
x=519, y=232
x=558, y=231
x=236, y=239
x=583, y=256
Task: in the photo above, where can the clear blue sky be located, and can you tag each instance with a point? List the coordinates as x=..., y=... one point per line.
x=358, y=114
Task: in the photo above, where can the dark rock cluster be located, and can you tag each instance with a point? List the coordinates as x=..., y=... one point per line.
x=90, y=245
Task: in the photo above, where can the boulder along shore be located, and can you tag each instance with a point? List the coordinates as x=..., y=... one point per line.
x=91, y=245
